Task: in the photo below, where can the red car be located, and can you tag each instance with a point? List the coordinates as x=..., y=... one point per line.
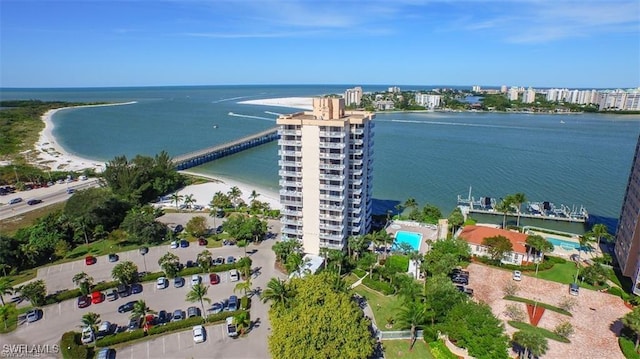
x=84, y=301
x=202, y=241
x=97, y=297
x=89, y=260
x=214, y=278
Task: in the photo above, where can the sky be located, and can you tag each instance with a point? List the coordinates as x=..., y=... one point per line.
x=537, y=43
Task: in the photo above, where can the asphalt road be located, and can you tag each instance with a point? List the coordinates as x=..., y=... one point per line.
x=66, y=316
x=48, y=195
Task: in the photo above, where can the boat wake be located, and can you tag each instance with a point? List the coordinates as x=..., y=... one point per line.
x=273, y=113
x=229, y=99
x=253, y=117
x=457, y=124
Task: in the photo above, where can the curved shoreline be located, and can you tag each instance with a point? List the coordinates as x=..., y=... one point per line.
x=50, y=154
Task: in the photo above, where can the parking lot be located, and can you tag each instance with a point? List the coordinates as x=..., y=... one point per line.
x=66, y=316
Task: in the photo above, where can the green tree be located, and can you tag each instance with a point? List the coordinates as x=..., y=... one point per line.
x=197, y=226
x=497, y=246
x=198, y=294
x=5, y=311
x=244, y=286
x=235, y=195
x=83, y=281
x=430, y=214
x=319, y=323
x=220, y=201
x=140, y=310
x=601, y=232
x=242, y=322
x=5, y=288
x=357, y=245
x=504, y=207
x=456, y=219
x=91, y=320
x=35, y=292
x=411, y=316
x=517, y=200
x=337, y=257
x=170, y=264
x=277, y=292
x=125, y=272
x=189, y=200
x=204, y=260
x=532, y=343
x=632, y=321
x=286, y=248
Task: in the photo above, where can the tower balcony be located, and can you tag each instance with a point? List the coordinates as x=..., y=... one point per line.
x=339, y=145
x=285, y=173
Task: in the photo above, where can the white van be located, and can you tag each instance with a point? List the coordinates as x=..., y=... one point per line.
x=234, y=275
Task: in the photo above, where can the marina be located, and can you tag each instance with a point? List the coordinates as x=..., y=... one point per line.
x=537, y=210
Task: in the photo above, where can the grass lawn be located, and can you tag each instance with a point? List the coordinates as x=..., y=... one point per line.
x=383, y=307
x=12, y=318
x=350, y=279
x=562, y=273
x=23, y=276
x=400, y=349
x=11, y=225
x=542, y=331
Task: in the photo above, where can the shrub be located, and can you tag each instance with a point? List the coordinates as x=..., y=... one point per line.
x=71, y=346
x=440, y=351
x=542, y=331
x=186, y=272
x=63, y=295
x=174, y=326
x=627, y=344
x=105, y=285
x=120, y=338
x=515, y=312
x=397, y=263
x=220, y=317
x=151, y=276
x=429, y=334
x=245, y=303
x=564, y=329
x=383, y=287
x=567, y=303
x=359, y=272
x=510, y=289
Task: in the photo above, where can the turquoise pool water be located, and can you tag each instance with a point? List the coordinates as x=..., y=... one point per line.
x=567, y=245
x=411, y=238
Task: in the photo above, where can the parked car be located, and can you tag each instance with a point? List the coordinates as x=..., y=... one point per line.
x=193, y=312
x=178, y=315
x=216, y=308
x=70, y=190
x=104, y=329
x=178, y=282
x=162, y=283
x=106, y=353
x=87, y=335
x=214, y=278
x=233, y=303
x=184, y=243
x=124, y=290
x=202, y=241
x=32, y=202
x=198, y=334
x=517, y=275
x=150, y=320
x=179, y=228
x=90, y=260
x=231, y=259
x=33, y=315
x=574, y=289
x=136, y=288
x=218, y=261
x=112, y=295
x=232, y=330
x=461, y=280
x=15, y=200
x=84, y=301
x=97, y=297
x=163, y=317
x=190, y=264
x=234, y=275
x=195, y=279
x=127, y=307
x=174, y=244
x=134, y=323
x=113, y=257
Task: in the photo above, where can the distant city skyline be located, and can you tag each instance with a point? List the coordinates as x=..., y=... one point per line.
x=528, y=43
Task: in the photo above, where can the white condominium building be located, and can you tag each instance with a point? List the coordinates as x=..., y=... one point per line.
x=428, y=101
x=353, y=96
x=326, y=169
x=513, y=94
x=529, y=96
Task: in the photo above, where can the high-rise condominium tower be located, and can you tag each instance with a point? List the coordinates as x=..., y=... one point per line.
x=628, y=232
x=326, y=168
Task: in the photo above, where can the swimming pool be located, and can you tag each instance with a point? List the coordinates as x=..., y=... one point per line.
x=566, y=245
x=411, y=238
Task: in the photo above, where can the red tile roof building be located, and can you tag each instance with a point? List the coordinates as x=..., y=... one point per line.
x=474, y=235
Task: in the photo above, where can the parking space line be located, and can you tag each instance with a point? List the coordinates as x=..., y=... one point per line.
x=179, y=341
x=163, y=346
x=131, y=351
x=147, y=349
x=59, y=308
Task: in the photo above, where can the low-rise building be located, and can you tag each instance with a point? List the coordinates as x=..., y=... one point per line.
x=475, y=235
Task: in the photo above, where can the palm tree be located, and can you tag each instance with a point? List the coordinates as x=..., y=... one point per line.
x=234, y=194
x=503, y=207
x=5, y=288
x=254, y=196
x=244, y=286
x=5, y=311
x=324, y=253
x=410, y=203
x=532, y=342
x=91, y=320
x=417, y=258
x=399, y=208
x=197, y=294
x=83, y=281
x=204, y=259
x=278, y=292
x=176, y=198
x=337, y=256
x=30, y=251
x=632, y=321
x=242, y=321
x=600, y=231
x=518, y=199
x=411, y=315
x=189, y=200
x=533, y=241
x=140, y=310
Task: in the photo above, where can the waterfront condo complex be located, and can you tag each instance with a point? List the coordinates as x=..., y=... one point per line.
x=628, y=232
x=326, y=168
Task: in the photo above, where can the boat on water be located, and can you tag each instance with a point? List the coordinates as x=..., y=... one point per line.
x=541, y=210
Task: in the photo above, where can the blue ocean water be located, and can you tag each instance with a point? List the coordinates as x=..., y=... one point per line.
x=571, y=159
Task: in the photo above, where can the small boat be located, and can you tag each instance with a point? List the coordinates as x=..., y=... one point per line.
x=561, y=121
x=215, y=126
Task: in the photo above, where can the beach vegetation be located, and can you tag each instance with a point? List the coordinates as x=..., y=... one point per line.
x=98, y=208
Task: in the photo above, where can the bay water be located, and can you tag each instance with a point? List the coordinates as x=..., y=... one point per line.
x=580, y=159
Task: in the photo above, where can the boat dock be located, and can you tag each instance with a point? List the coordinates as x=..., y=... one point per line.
x=197, y=158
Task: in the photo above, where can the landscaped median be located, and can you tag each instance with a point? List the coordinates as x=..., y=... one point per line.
x=542, y=331
x=539, y=304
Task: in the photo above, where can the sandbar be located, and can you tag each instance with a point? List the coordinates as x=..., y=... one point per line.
x=304, y=103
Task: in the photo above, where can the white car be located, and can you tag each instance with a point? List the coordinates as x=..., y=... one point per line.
x=198, y=334
x=162, y=283
x=87, y=335
x=232, y=330
x=174, y=245
x=517, y=275
x=234, y=275
x=195, y=279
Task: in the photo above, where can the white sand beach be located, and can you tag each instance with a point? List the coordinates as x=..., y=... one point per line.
x=50, y=154
x=304, y=103
x=203, y=193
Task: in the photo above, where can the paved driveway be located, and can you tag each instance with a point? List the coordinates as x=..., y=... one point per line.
x=595, y=317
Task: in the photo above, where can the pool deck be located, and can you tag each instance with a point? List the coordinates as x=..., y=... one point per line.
x=567, y=253
x=428, y=231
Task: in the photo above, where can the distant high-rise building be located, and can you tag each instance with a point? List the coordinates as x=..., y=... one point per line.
x=428, y=101
x=513, y=94
x=394, y=89
x=627, y=248
x=476, y=88
x=529, y=96
x=353, y=96
x=503, y=89
x=326, y=174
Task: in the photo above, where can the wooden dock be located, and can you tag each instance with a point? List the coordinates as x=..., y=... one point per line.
x=197, y=158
